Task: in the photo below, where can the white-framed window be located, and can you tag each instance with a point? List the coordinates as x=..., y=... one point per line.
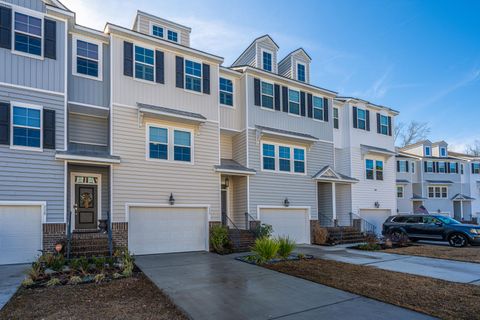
x=166, y=143
x=383, y=124
x=226, y=92
x=267, y=95
x=335, y=118
x=438, y=192
x=144, y=63
x=443, y=152
x=158, y=31
x=301, y=72
x=429, y=166
x=172, y=35
x=87, y=58
x=442, y=167
x=361, y=119
x=476, y=168
x=283, y=158
x=27, y=126
x=318, y=108
x=193, y=75
x=400, y=192
x=27, y=34
x=374, y=169
x=428, y=151
x=453, y=167
x=402, y=166
x=267, y=60
x=294, y=102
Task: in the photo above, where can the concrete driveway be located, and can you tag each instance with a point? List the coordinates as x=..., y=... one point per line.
x=455, y=271
x=11, y=276
x=209, y=286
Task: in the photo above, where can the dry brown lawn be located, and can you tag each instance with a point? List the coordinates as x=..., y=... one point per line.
x=443, y=299
x=467, y=254
x=129, y=298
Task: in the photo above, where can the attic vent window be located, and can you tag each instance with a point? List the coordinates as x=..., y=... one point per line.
x=300, y=72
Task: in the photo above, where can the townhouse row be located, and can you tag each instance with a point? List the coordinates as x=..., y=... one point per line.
x=134, y=127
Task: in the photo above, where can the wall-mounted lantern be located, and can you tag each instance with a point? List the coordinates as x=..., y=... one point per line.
x=377, y=204
x=171, y=200
x=286, y=203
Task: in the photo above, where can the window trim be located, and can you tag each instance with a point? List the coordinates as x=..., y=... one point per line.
x=152, y=24
x=277, y=158
x=402, y=192
x=262, y=50
x=75, y=38
x=313, y=109
x=34, y=14
x=433, y=167
x=364, y=119
x=190, y=75
x=154, y=64
x=454, y=167
x=444, y=166
x=337, y=117
x=262, y=94
x=233, y=93
x=299, y=103
x=304, y=70
x=384, y=125
x=28, y=106
x=172, y=30
x=476, y=164
x=440, y=191
x=400, y=166
x=170, y=146
x=374, y=169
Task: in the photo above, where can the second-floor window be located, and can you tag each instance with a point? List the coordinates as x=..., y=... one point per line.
x=267, y=61
x=157, y=31
x=267, y=95
x=429, y=166
x=226, y=92
x=28, y=34
x=476, y=168
x=193, y=76
x=428, y=151
x=26, y=126
x=301, y=72
x=293, y=102
x=144, y=64
x=400, y=192
x=402, y=166
x=87, y=58
x=374, y=169
x=172, y=36
x=453, y=167
x=335, y=118
x=318, y=108
x=279, y=158
x=361, y=119
x=182, y=149
x=438, y=192
x=442, y=167
x=384, y=125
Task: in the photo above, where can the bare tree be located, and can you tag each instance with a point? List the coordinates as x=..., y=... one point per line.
x=473, y=149
x=398, y=130
x=410, y=133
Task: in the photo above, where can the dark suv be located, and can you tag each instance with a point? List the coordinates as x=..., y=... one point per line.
x=431, y=227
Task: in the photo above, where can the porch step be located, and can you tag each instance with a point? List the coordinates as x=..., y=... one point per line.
x=242, y=240
x=89, y=244
x=346, y=235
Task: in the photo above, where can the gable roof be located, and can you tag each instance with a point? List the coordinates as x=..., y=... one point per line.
x=265, y=36
x=328, y=174
x=299, y=50
x=345, y=99
x=416, y=144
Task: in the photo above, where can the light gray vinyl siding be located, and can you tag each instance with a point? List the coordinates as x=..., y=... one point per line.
x=248, y=58
x=89, y=91
x=137, y=179
x=266, y=44
x=285, y=121
x=226, y=146
x=143, y=26
x=404, y=205
x=343, y=201
x=325, y=201
x=34, y=175
x=342, y=161
x=86, y=129
x=285, y=67
x=239, y=148
x=234, y=117
x=299, y=58
x=36, y=5
x=45, y=74
x=239, y=200
x=105, y=187
x=271, y=188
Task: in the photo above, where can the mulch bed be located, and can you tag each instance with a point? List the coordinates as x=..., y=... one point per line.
x=128, y=298
x=466, y=254
x=443, y=299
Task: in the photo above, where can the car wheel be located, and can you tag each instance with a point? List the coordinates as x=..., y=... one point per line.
x=397, y=235
x=457, y=240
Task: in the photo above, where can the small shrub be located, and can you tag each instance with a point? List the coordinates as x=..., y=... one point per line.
x=126, y=261
x=301, y=256
x=110, y=262
x=74, y=280
x=369, y=246
x=100, y=263
x=99, y=277
x=265, y=249
x=57, y=263
x=219, y=238
x=27, y=282
x=286, y=246
x=116, y=275
x=263, y=231
x=53, y=282
x=36, y=271
x=83, y=265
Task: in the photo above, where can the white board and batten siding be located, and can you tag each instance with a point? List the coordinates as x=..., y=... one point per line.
x=291, y=222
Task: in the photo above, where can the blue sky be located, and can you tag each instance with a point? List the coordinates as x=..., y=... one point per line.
x=419, y=57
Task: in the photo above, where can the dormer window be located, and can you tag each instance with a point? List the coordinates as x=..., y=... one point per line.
x=301, y=72
x=172, y=36
x=443, y=152
x=428, y=151
x=267, y=61
x=157, y=31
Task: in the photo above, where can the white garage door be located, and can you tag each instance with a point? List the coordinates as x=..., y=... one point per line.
x=20, y=233
x=375, y=217
x=167, y=229
x=291, y=222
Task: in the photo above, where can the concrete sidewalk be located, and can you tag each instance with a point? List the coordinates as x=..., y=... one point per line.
x=455, y=271
x=209, y=286
x=11, y=276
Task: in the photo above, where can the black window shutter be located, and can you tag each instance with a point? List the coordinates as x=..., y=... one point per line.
x=378, y=123
x=472, y=168
x=367, y=119
x=389, y=125
x=425, y=166
x=5, y=28
x=48, y=129
x=179, y=72
x=355, y=120
x=128, y=59
x=284, y=99
x=398, y=165
x=310, y=105
x=435, y=166
x=4, y=123
x=206, y=78
x=159, y=67
x=276, y=88
x=302, y=103
x=256, y=91
x=456, y=167
x=50, y=39
x=406, y=164
x=325, y=109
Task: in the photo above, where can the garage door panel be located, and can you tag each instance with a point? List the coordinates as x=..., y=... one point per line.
x=375, y=217
x=292, y=223
x=163, y=230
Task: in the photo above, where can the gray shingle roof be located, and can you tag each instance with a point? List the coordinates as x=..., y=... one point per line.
x=377, y=149
x=286, y=132
x=173, y=112
x=232, y=165
x=461, y=196
x=439, y=181
x=402, y=181
x=340, y=176
x=417, y=197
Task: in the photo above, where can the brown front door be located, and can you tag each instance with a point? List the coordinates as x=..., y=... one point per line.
x=86, y=204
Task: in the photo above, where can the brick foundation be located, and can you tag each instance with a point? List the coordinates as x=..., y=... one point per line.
x=318, y=234
x=120, y=235
x=53, y=233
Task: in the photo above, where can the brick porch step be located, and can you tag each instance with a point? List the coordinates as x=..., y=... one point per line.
x=242, y=240
x=89, y=244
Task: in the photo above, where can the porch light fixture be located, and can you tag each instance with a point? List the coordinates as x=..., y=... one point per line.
x=286, y=203
x=377, y=204
x=227, y=182
x=171, y=200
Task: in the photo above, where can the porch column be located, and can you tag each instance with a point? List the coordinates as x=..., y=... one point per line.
x=334, y=202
